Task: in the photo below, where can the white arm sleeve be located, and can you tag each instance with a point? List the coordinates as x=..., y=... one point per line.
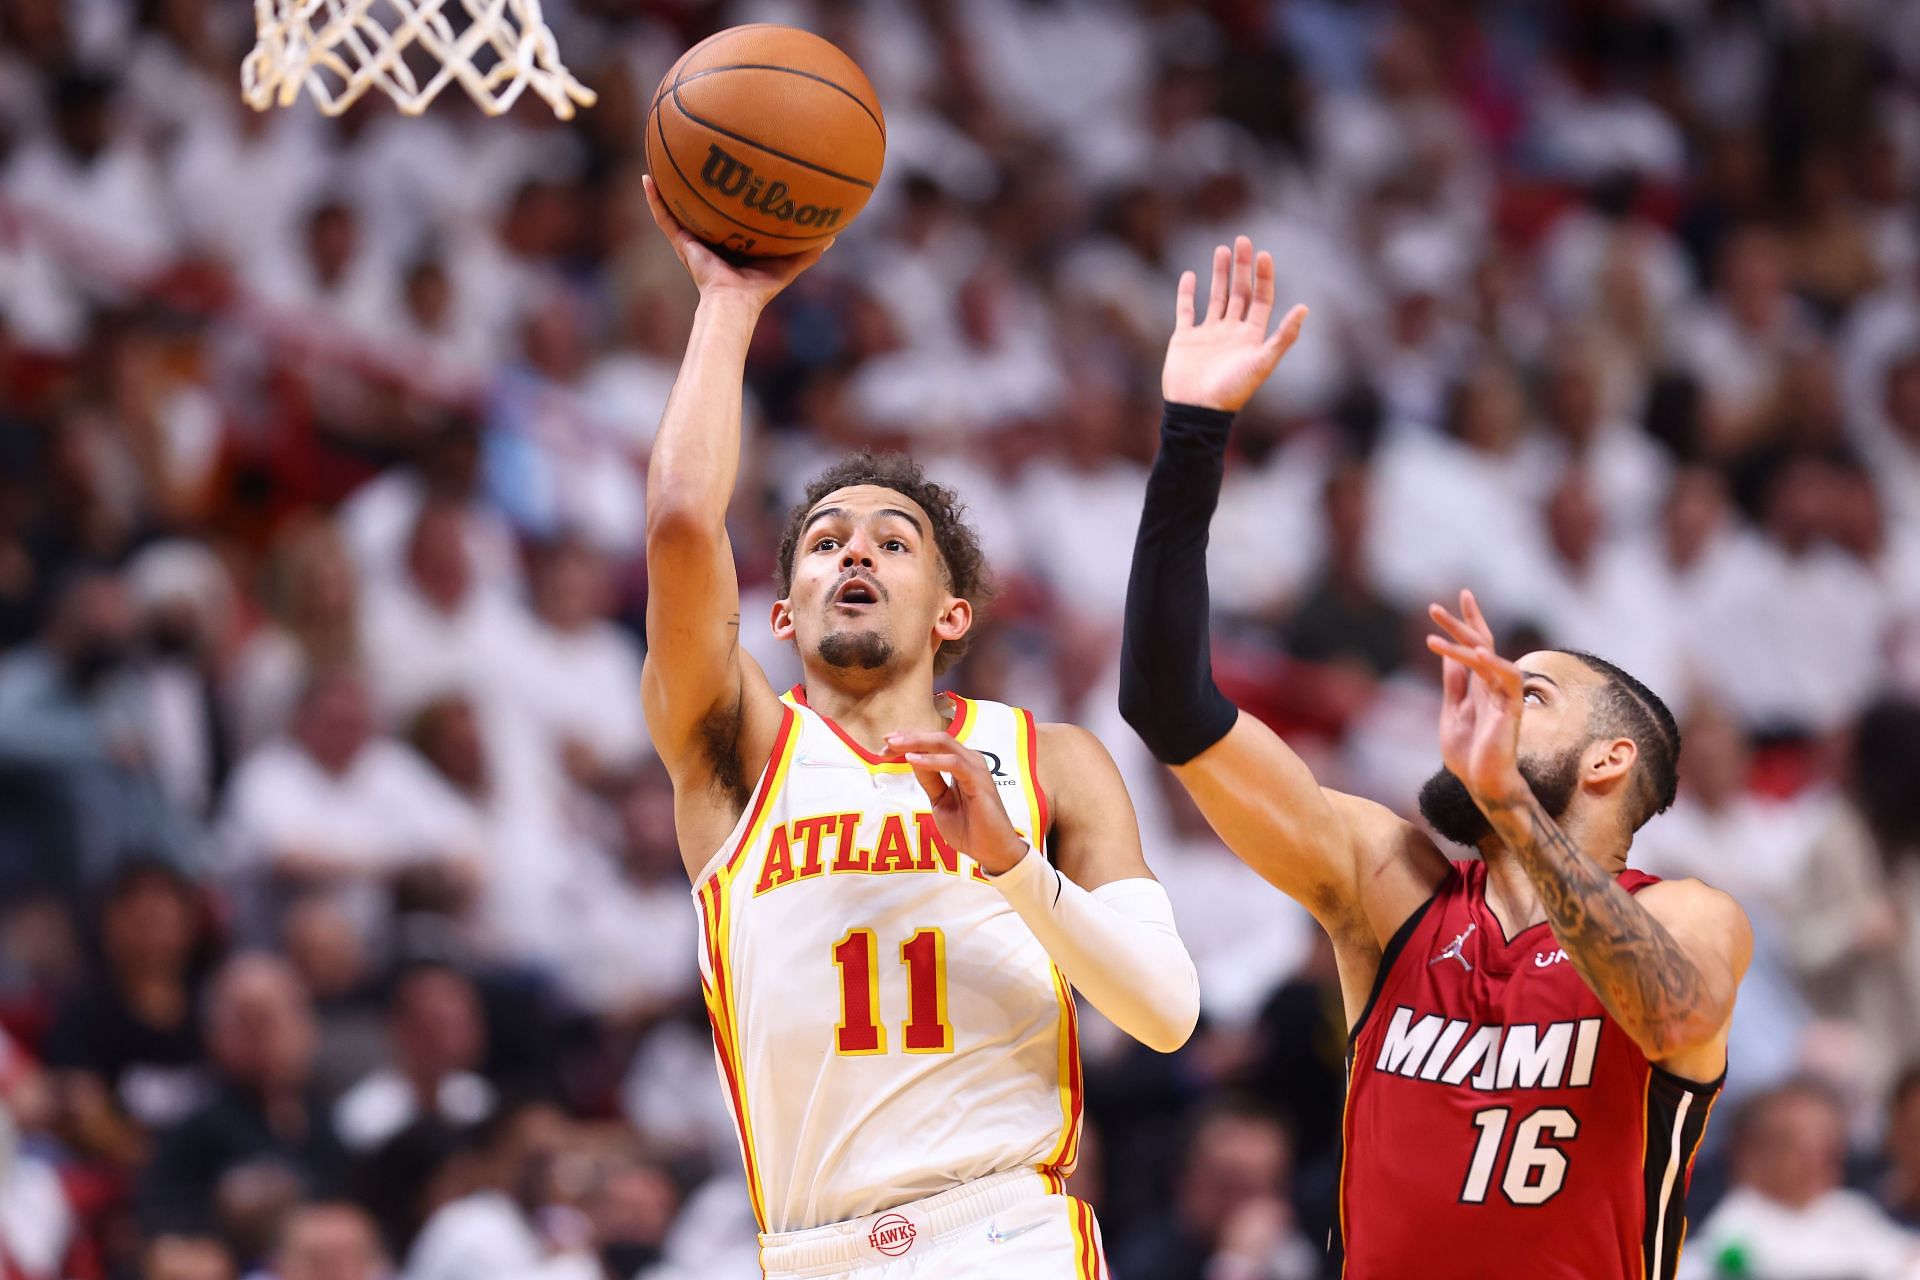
x=1117, y=945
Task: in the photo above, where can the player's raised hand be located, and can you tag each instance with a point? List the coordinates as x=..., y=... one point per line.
x=1219, y=359
x=1481, y=701
x=755, y=280
x=966, y=803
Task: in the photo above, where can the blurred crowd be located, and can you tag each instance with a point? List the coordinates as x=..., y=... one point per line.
x=342, y=929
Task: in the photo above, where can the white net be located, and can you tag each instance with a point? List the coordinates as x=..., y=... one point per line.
x=408, y=49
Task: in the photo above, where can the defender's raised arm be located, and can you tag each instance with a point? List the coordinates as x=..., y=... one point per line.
x=1355, y=865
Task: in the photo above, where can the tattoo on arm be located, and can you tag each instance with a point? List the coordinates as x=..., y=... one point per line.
x=1647, y=982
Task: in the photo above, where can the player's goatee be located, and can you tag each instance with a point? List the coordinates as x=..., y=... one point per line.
x=1451, y=812
x=856, y=651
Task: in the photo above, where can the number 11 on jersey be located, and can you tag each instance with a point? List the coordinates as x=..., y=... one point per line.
x=857, y=955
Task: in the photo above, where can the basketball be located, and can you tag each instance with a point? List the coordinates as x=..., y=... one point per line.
x=765, y=140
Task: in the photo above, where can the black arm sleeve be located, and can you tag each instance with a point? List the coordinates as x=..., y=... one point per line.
x=1166, y=671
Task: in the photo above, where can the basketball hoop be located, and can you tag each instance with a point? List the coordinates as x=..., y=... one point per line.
x=410, y=50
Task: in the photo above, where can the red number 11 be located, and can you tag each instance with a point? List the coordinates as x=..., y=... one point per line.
x=925, y=956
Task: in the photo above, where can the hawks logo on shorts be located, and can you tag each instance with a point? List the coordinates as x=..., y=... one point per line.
x=885, y=1025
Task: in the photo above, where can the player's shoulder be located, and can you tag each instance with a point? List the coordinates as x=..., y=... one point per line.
x=1070, y=757
x=1070, y=741
x=1701, y=911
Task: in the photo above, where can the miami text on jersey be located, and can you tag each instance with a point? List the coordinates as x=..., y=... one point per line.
x=1525, y=1055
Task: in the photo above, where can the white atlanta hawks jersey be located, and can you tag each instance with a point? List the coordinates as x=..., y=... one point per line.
x=886, y=1027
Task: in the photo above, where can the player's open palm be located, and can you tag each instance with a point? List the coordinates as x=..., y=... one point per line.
x=1481, y=702
x=1219, y=359
x=967, y=809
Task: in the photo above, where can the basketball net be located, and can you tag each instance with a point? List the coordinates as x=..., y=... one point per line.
x=338, y=49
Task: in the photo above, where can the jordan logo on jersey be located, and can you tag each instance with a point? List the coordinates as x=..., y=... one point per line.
x=1454, y=950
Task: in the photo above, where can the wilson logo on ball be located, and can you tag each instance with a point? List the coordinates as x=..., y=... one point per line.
x=735, y=179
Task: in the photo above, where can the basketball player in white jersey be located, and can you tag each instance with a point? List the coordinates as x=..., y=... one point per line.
x=897, y=887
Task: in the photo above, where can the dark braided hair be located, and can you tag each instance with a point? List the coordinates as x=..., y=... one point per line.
x=1628, y=709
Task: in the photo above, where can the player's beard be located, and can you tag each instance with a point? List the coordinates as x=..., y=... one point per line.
x=1449, y=809
x=856, y=650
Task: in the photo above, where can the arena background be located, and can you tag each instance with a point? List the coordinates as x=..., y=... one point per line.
x=321, y=459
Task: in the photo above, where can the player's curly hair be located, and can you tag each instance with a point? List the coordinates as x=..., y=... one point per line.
x=964, y=564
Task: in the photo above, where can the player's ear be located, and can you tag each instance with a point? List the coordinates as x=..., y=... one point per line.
x=954, y=620
x=1609, y=761
x=782, y=619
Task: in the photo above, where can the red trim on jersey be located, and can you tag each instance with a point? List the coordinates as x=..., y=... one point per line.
x=764, y=792
x=954, y=724
x=1076, y=1086
x=1033, y=774
x=720, y=1014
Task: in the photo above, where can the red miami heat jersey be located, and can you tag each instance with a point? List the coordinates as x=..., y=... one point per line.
x=1498, y=1122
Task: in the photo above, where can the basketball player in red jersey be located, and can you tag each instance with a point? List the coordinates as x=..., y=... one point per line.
x=1537, y=1036
x=896, y=886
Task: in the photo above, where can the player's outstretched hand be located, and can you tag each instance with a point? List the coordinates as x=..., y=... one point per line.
x=756, y=280
x=1481, y=700
x=1219, y=360
x=966, y=803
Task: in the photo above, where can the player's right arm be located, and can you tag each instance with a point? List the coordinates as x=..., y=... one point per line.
x=1359, y=868
x=710, y=711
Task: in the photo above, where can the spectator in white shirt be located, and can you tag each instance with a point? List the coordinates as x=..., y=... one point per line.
x=312, y=595
x=582, y=680
x=1810, y=623
x=329, y=1240
x=1463, y=507
x=1737, y=344
x=438, y=1040
x=334, y=807
x=516, y=1226
x=1789, y=1215
x=1627, y=471
x=380, y=516
x=335, y=282
x=95, y=185
x=440, y=628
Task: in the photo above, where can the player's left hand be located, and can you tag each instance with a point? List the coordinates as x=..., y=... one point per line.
x=966, y=803
x=1219, y=360
x=1481, y=701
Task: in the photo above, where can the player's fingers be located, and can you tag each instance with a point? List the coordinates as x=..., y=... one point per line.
x=1454, y=627
x=963, y=772
x=662, y=216
x=791, y=267
x=1470, y=610
x=1261, y=312
x=1183, y=300
x=1288, y=333
x=1462, y=654
x=1495, y=672
x=1217, y=291
x=933, y=784
x=1453, y=679
x=1240, y=290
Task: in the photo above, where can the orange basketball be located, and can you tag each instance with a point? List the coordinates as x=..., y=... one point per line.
x=765, y=140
